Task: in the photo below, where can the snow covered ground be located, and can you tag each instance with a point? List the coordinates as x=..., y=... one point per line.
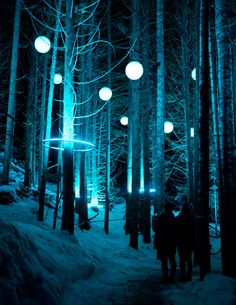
x=39, y=265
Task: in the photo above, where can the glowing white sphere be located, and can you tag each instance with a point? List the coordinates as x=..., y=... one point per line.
x=42, y=44
x=168, y=127
x=57, y=79
x=194, y=74
x=124, y=120
x=134, y=70
x=192, y=132
x=105, y=93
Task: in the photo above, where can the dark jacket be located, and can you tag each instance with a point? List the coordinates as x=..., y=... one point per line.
x=185, y=229
x=165, y=233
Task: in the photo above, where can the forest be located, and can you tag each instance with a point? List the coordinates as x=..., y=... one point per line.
x=122, y=101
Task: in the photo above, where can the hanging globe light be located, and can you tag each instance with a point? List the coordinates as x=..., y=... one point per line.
x=105, y=93
x=124, y=120
x=57, y=79
x=168, y=127
x=42, y=44
x=134, y=70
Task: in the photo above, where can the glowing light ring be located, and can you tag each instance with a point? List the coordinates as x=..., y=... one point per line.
x=90, y=145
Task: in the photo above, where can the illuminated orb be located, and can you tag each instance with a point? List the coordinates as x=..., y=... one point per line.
x=192, y=132
x=124, y=120
x=105, y=93
x=134, y=70
x=57, y=79
x=168, y=127
x=79, y=145
x=194, y=74
x=42, y=44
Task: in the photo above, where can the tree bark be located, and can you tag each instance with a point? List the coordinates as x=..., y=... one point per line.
x=135, y=122
x=68, y=126
x=202, y=250
x=12, y=96
x=159, y=167
x=29, y=126
x=49, y=117
x=227, y=190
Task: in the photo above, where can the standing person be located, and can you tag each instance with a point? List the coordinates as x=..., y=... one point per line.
x=185, y=241
x=166, y=242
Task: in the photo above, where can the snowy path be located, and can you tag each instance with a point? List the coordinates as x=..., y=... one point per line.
x=132, y=277
x=123, y=287
x=92, y=268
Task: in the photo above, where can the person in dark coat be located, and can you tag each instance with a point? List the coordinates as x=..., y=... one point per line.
x=166, y=242
x=185, y=241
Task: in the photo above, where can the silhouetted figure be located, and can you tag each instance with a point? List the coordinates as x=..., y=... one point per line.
x=165, y=240
x=202, y=245
x=185, y=241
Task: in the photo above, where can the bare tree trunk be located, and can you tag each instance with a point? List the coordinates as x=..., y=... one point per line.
x=144, y=134
x=12, y=96
x=68, y=126
x=135, y=113
x=29, y=126
x=159, y=162
x=215, y=155
x=185, y=56
x=42, y=120
x=108, y=131
x=202, y=205
x=49, y=117
x=227, y=190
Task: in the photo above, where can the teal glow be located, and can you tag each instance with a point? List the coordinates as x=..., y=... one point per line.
x=141, y=190
x=194, y=74
x=192, y=132
x=94, y=201
x=89, y=145
x=129, y=186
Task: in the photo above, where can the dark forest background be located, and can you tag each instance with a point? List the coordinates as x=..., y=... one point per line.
x=91, y=44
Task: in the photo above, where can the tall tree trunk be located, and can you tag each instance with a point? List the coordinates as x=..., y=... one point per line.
x=49, y=116
x=227, y=188
x=185, y=59
x=135, y=121
x=12, y=96
x=42, y=120
x=68, y=126
x=29, y=126
x=108, y=130
x=215, y=155
x=202, y=205
x=129, y=171
x=83, y=200
x=159, y=167
x=144, y=134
